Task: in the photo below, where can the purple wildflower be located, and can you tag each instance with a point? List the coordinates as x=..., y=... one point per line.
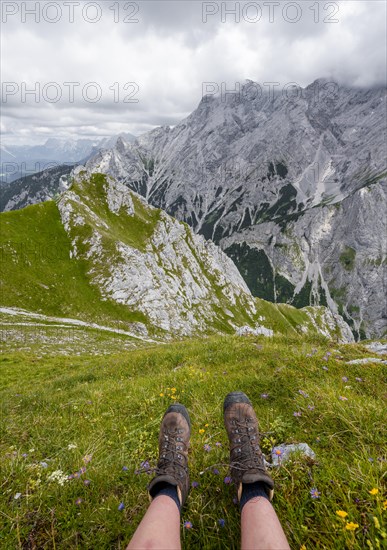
x=78, y=502
x=144, y=468
x=221, y=522
x=342, y=398
x=218, y=444
x=235, y=500
x=264, y=395
x=188, y=525
x=207, y=447
x=227, y=480
x=86, y=481
x=311, y=407
x=194, y=484
x=358, y=379
x=121, y=506
x=344, y=379
x=304, y=394
x=215, y=471
x=125, y=468
x=314, y=493
x=297, y=413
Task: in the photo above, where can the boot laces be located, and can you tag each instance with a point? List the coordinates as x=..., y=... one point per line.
x=172, y=459
x=245, y=449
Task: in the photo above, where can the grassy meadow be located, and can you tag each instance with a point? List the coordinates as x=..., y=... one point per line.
x=79, y=440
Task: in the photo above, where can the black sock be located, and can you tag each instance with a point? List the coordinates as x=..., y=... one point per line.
x=251, y=490
x=167, y=489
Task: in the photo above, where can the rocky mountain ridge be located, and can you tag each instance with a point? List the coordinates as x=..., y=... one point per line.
x=291, y=185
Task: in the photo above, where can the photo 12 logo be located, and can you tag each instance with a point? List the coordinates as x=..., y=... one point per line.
x=267, y=91
x=255, y=12
x=69, y=92
x=70, y=12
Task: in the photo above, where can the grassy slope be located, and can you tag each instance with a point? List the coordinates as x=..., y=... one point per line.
x=134, y=231
x=110, y=408
x=38, y=275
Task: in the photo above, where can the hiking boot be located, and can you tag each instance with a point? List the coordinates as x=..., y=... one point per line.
x=246, y=460
x=172, y=467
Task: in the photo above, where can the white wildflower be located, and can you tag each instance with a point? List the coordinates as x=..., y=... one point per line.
x=71, y=446
x=58, y=476
x=17, y=496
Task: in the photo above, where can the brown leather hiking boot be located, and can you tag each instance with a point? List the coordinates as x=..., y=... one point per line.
x=172, y=467
x=246, y=459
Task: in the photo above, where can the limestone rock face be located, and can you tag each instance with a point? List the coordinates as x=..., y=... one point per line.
x=181, y=282
x=291, y=184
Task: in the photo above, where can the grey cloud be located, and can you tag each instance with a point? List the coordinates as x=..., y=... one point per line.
x=170, y=52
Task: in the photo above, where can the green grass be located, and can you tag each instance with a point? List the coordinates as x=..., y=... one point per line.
x=134, y=231
x=110, y=407
x=38, y=275
x=347, y=258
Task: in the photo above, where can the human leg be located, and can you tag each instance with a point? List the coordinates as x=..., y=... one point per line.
x=260, y=526
x=160, y=527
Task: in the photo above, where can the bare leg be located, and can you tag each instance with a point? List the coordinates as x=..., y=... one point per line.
x=261, y=529
x=159, y=528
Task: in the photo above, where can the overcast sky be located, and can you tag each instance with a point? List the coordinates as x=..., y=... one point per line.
x=165, y=51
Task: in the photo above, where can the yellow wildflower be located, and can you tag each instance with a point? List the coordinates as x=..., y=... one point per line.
x=351, y=526
x=374, y=491
x=385, y=505
x=161, y=395
x=303, y=547
x=206, y=425
x=341, y=513
x=201, y=431
x=173, y=389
